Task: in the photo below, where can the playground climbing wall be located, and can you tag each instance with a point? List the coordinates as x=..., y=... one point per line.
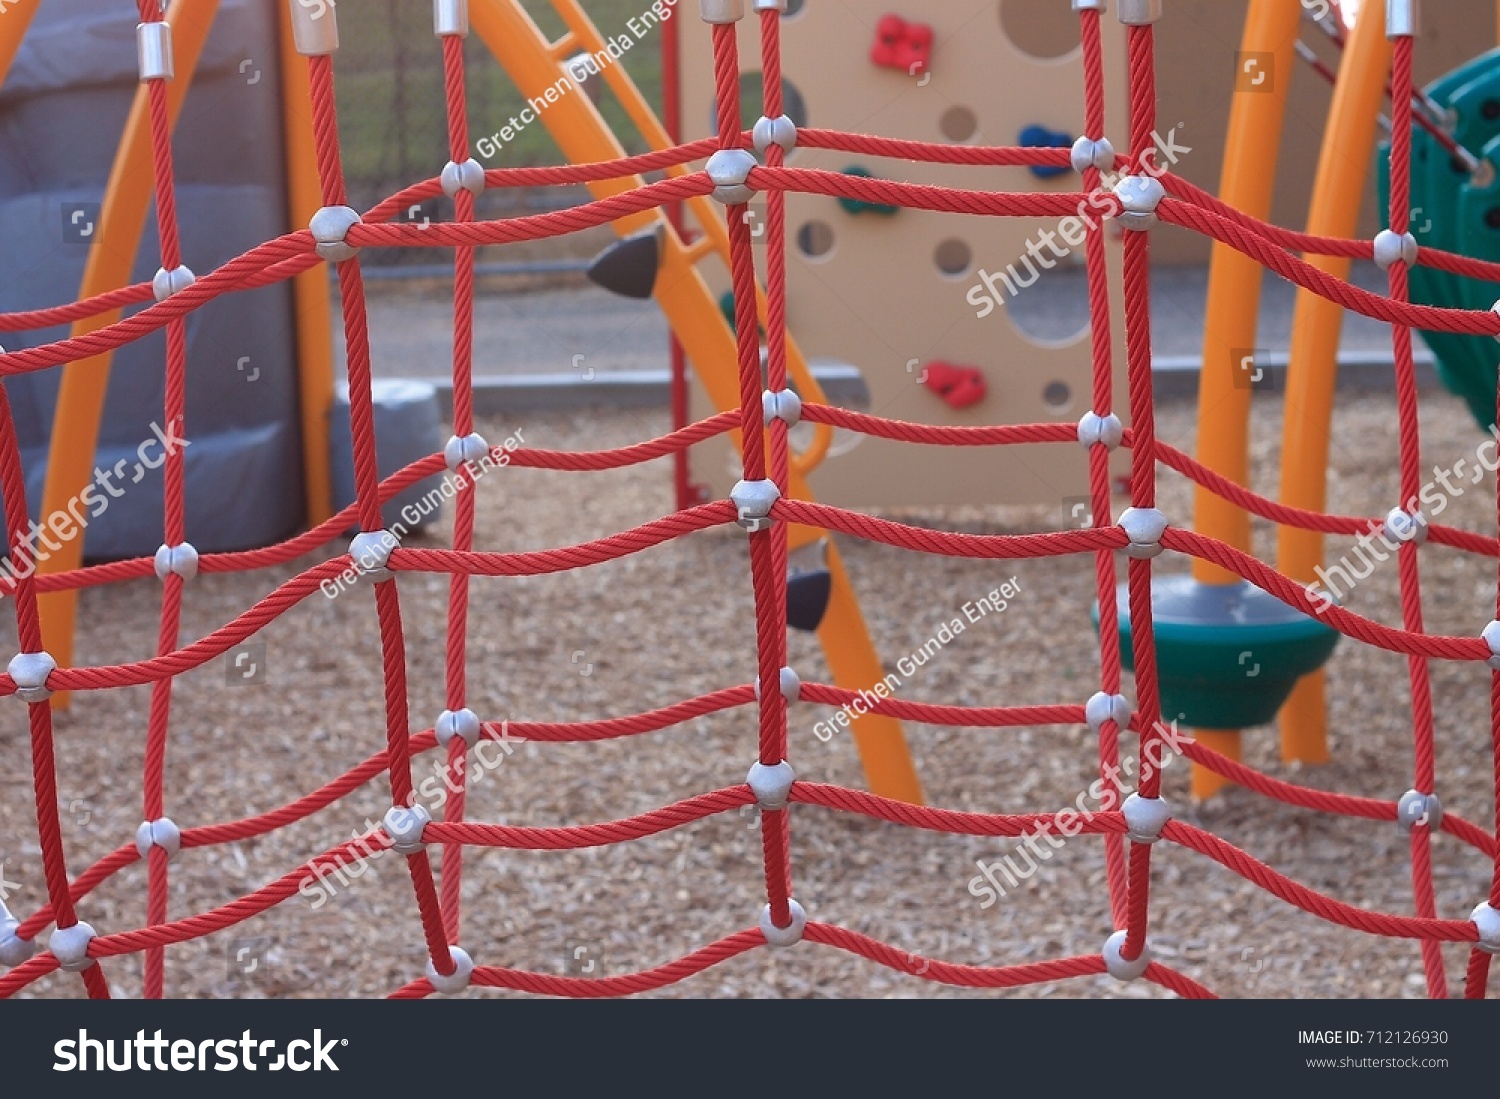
x=889, y=293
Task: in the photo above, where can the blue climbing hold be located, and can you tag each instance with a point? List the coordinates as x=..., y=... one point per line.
x=1037, y=136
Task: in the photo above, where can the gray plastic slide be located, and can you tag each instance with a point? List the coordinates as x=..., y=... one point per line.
x=62, y=109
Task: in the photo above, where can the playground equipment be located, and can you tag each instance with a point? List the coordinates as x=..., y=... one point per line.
x=78, y=418
x=1454, y=185
x=765, y=503
x=1228, y=654
x=54, y=205
x=1225, y=387
x=931, y=78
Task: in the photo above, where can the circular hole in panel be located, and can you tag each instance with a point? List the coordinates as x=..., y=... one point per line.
x=1058, y=396
x=1049, y=306
x=751, y=102
x=815, y=240
x=958, y=124
x=847, y=389
x=953, y=257
x=1042, y=31
x=793, y=8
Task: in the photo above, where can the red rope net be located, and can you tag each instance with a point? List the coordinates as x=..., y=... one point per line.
x=1128, y=858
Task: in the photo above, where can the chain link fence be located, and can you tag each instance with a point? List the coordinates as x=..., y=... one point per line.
x=393, y=123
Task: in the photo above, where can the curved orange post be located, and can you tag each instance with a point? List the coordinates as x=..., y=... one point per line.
x=1248, y=179
x=314, y=314
x=1343, y=169
x=13, y=29
x=80, y=400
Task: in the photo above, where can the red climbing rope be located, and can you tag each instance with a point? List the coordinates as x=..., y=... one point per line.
x=767, y=461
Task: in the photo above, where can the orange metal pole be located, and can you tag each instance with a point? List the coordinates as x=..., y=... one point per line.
x=314, y=320
x=1256, y=119
x=12, y=31
x=1343, y=168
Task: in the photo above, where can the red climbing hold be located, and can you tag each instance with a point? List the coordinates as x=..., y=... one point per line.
x=902, y=45
x=960, y=386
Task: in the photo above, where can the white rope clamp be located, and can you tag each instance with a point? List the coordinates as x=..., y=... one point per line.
x=468, y=176
x=158, y=833
x=166, y=283
x=1139, y=13
x=1491, y=635
x=14, y=950
x=1144, y=527
x=1391, y=246
x=790, y=685
x=30, y=672
x=404, y=825
x=783, y=936
x=70, y=946
x=463, y=724
x=1097, y=430
x=371, y=553
x=1139, y=196
x=1115, y=963
x=458, y=980
x=772, y=785
x=315, y=27
x=180, y=560
x=1406, y=526
x=730, y=170
x=1401, y=18
x=450, y=17
x=754, y=500
x=1091, y=152
x=721, y=11
x=1487, y=919
x=1102, y=707
x=460, y=449
x=780, y=130
x=1145, y=817
x=781, y=405
x=1416, y=808
x=330, y=226
x=153, y=50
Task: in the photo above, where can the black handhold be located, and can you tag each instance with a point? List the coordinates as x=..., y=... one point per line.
x=628, y=267
x=807, y=595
